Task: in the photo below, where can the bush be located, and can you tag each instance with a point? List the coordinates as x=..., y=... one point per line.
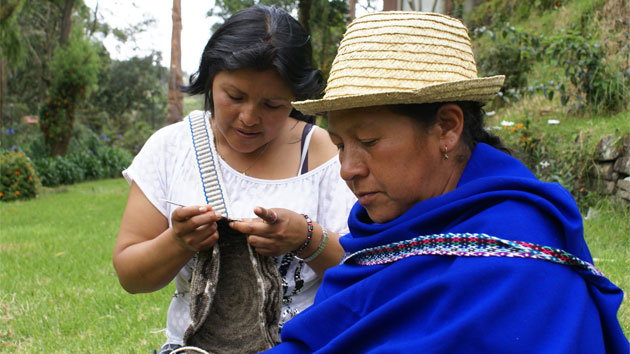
x=512, y=53
x=18, y=177
x=599, y=85
x=106, y=162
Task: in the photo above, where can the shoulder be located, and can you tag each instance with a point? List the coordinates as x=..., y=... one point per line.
x=321, y=148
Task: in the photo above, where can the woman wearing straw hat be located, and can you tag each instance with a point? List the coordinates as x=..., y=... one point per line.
x=454, y=246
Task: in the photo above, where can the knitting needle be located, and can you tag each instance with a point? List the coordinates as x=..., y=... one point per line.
x=171, y=202
x=182, y=205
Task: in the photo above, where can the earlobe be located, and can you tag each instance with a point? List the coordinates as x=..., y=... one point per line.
x=451, y=121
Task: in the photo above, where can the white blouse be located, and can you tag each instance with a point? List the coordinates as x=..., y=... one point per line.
x=166, y=168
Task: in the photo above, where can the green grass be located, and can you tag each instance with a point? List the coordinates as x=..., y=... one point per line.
x=58, y=289
x=59, y=292
x=607, y=234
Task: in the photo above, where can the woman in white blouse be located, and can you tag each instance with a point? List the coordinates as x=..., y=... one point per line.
x=279, y=171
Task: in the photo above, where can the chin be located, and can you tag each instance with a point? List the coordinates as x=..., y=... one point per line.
x=381, y=217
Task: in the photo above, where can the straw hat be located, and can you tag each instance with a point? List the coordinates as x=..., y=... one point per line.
x=400, y=58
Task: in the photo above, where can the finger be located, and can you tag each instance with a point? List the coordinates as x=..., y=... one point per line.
x=268, y=215
x=249, y=227
x=182, y=214
x=258, y=241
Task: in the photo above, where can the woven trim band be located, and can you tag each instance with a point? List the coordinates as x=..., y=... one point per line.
x=205, y=161
x=464, y=245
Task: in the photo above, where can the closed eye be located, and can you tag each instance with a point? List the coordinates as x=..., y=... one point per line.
x=234, y=98
x=272, y=106
x=369, y=142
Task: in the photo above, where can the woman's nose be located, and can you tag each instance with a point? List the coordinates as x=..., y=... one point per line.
x=249, y=115
x=352, y=165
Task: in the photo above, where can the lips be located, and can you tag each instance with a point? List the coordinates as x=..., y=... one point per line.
x=247, y=133
x=365, y=198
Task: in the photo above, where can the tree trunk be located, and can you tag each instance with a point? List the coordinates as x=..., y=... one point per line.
x=66, y=23
x=352, y=9
x=304, y=14
x=175, y=98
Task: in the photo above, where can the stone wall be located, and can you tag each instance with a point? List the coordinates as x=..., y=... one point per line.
x=612, y=166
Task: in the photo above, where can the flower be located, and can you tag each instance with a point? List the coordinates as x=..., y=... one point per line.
x=17, y=173
x=523, y=139
x=17, y=193
x=519, y=125
x=1, y=194
x=105, y=137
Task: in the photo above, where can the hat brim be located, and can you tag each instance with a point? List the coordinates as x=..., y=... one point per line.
x=478, y=90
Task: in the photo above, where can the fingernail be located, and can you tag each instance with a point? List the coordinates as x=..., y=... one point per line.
x=203, y=209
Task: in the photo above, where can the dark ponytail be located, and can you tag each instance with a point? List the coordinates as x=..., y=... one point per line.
x=474, y=131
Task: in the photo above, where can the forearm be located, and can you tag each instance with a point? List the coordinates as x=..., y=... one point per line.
x=150, y=265
x=330, y=254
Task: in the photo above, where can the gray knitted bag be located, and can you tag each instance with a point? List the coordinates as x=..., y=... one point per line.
x=235, y=293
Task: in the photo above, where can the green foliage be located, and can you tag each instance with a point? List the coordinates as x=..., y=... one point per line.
x=130, y=90
x=598, y=85
x=226, y=8
x=552, y=158
x=75, y=68
x=496, y=12
x=134, y=138
x=10, y=35
x=106, y=162
x=18, y=179
x=510, y=52
x=327, y=24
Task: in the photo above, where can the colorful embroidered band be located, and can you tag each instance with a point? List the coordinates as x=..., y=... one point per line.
x=309, y=235
x=467, y=245
x=320, y=248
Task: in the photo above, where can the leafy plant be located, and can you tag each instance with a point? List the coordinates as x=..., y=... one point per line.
x=18, y=179
x=75, y=68
x=510, y=52
x=597, y=84
x=105, y=162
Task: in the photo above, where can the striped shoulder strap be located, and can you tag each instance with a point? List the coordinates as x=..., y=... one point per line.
x=464, y=245
x=205, y=152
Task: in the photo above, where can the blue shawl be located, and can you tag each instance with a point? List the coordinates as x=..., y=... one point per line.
x=467, y=304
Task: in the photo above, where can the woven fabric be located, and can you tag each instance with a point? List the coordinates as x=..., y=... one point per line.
x=464, y=245
x=397, y=57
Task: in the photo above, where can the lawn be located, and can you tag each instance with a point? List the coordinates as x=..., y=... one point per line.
x=59, y=292
x=58, y=289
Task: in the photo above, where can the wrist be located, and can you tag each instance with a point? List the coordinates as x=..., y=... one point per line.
x=309, y=236
x=182, y=243
x=320, y=248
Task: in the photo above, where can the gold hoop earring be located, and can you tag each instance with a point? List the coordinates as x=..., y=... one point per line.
x=445, y=153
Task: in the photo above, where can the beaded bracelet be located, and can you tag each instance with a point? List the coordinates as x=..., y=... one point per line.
x=320, y=248
x=309, y=235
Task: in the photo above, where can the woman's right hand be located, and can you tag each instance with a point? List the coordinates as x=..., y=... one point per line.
x=150, y=251
x=195, y=227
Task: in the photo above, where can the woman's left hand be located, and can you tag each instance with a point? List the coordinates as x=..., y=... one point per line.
x=276, y=232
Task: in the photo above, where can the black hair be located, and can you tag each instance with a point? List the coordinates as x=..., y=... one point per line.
x=474, y=132
x=260, y=38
